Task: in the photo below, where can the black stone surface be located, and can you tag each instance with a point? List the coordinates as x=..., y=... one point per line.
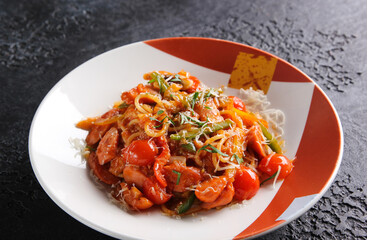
x=41, y=41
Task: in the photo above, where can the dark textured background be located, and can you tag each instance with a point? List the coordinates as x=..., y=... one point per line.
x=41, y=41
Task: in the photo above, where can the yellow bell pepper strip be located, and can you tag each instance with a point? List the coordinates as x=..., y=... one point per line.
x=249, y=119
x=210, y=128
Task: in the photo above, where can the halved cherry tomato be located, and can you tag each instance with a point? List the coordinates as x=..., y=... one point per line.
x=154, y=192
x=101, y=172
x=270, y=165
x=141, y=152
x=246, y=183
x=195, y=84
x=238, y=103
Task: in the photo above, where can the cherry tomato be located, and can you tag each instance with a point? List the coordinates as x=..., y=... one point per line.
x=246, y=183
x=238, y=103
x=271, y=163
x=141, y=152
x=195, y=84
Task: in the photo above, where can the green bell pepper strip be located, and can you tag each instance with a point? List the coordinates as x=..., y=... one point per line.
x=273, y=143
x=185, y=206
x=197, y=131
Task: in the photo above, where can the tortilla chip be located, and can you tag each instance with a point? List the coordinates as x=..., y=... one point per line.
x=252, y=71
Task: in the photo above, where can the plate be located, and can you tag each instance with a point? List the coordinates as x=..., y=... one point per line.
x=313, y=134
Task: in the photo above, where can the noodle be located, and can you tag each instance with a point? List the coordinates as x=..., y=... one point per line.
x=176, y=143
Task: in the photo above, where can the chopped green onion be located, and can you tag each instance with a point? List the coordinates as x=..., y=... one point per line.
x=91, y=148
x=154, y=119
x=212, y=150
x=160, y=112
x=123, y=105
x=161, y=121
x=271, y=177
x=194, y=98
x=238, y=159
x=178, y=176
x=156, y=77
x=208, y=107
x=176, y=79
x=190, y=120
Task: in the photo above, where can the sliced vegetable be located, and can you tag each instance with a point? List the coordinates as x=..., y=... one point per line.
x=238, y=159
x=273, y=143
x=210, y=148
x=248, y=119
x=207, y=130
x=185, y=206
x=178, y=176
x=123, y=105
x=189, y=147
x=160, y=112
x=189, y=120
x=194, y=98
x=156, y=77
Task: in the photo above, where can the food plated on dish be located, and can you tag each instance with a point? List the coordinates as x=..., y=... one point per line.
x=176, y=143
x=312, y=132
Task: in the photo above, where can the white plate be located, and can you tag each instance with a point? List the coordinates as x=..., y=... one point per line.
x=94, y=86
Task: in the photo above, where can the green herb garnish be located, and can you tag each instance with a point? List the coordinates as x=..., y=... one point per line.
x=91, y=148
x=238, y=159
x=189, y=120
x=175, y=79
x=212, y=150
x=271, y=177
x=194, y=98
x=160, y=112
x=156, y=77
x=190, y=147
x=161, y=121
x=178, y=176
x=123, y=105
